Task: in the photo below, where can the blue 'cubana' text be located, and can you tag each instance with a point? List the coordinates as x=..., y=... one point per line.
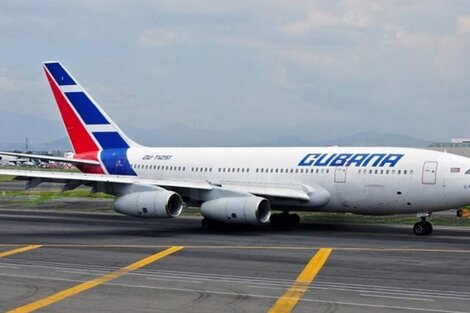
x=350, y=159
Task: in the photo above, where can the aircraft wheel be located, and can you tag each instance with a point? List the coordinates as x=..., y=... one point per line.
x=419, y=229
x=422, y=228
x=207, y=224
x=276, y=220
x=293, y=220
x=428, y=228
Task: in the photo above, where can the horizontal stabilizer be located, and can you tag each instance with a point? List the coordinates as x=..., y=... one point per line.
x=52, y=158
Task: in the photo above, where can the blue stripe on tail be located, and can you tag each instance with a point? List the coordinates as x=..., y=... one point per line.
x=86, y=109
x=60, y=74
x=110, y=140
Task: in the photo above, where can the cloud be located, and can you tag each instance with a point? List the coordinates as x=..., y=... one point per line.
x=463, y=25
x=160, y=38
x=318, y=18
x=8, y=83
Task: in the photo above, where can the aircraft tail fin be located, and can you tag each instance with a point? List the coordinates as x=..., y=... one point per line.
x=89, y=128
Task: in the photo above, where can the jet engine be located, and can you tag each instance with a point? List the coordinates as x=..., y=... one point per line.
x=150, y=204
x=237, y=210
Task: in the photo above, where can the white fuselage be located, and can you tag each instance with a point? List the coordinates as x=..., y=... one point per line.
x=420, y=181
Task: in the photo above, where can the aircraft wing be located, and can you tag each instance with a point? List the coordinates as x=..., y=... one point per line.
x=76, y=179
x=51, y=158
x=66, y=177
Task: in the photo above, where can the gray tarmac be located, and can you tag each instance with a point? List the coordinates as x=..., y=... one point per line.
x=372, y=268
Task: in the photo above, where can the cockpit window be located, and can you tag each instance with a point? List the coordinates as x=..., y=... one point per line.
x=467, y=172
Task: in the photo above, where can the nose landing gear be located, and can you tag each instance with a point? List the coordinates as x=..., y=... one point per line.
x=423, y=227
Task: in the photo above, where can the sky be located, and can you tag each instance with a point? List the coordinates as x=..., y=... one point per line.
x=311, y=69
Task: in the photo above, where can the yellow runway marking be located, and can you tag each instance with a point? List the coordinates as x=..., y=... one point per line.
x=19, y=250
x=61, y=295
x=289, y=299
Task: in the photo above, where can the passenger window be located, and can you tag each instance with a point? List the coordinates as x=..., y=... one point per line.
x=411, y=172
x=247, y=170
x=405, y=171
x=399, y=172
x=370, y=171
x=296, y=170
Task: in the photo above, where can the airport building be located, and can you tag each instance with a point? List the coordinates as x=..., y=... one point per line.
x=459, y=146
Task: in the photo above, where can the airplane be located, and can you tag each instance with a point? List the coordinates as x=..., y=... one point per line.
x=243, y=185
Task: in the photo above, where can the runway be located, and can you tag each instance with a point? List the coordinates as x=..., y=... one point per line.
x=111, y=263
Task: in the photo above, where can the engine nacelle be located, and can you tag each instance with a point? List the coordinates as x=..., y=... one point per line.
x=151, y=204
x=238, y=210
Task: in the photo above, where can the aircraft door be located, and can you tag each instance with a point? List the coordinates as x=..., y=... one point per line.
x=340, y=174
x=429, y=172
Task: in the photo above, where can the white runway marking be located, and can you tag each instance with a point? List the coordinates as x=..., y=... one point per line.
x=395, y=297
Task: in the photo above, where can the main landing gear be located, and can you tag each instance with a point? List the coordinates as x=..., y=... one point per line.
x=423, y=227
x=284, y=220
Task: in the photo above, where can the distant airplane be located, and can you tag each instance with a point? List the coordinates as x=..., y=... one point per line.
x=243, y=185
x=12, y=159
